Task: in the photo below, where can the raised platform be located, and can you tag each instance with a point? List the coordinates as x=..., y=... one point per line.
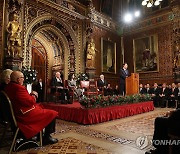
x=75, y=113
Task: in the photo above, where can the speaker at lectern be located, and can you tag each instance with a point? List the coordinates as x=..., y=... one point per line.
x=132, y=84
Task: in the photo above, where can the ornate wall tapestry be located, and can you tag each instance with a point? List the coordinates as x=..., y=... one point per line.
x=108, y=56
x=146, y=54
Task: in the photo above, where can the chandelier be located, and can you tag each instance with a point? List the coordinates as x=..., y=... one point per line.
x=150, y=3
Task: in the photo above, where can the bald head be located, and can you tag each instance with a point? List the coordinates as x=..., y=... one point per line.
x=58, y=74
x=18, y=77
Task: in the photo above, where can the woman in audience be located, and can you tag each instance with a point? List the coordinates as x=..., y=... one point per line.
x=73, y=86
x=5, y=78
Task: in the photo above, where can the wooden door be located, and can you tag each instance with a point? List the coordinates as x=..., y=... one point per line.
x=39, y=63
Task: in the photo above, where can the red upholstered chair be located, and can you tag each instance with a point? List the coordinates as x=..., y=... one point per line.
x=90, y=88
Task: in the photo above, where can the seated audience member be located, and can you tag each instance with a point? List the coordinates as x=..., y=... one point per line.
x=142, y=90
x=155, y=94
x=116, y=90
x=102, y=84
x=173, y=95
x=163, y=95
x=5, y=78
x=109, y=90
x=58, y=83
x=169, y=86
x=148, y=88
x=163, y=126
x=31, y=117
x=72, y=85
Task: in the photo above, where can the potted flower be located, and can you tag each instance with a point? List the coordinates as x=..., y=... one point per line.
x=30, y=76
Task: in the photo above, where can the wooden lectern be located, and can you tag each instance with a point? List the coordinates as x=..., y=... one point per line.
x=132, y=84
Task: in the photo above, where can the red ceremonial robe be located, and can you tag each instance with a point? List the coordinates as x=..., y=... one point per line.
x=31, y=117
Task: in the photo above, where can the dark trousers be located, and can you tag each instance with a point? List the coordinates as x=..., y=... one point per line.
x=122, y=89
x=50, y=128
x=64, y=92
x=163, y=101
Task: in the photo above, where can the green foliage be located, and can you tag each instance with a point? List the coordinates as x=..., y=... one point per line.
x=30, y=75
x=103, y=101
x=81, y=77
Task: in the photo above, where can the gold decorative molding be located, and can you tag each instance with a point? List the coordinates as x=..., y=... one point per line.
x=103, y=21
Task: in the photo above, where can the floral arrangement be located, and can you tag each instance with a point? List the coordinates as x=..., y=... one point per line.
x=81, y=77
x=30, y=75
x=103, y=101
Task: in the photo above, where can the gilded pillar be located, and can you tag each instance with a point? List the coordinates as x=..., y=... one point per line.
x=13, y=45
x=176, y=39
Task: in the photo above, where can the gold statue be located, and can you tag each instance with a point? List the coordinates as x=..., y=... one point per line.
x=90, y=60
x=14, y=39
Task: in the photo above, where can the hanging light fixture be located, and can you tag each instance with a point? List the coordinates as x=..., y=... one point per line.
x=150, y=3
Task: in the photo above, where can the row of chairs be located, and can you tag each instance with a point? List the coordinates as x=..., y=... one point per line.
x=90, y=89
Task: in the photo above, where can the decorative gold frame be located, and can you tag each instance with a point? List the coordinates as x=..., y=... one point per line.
x=145, y=54
x=108, y=56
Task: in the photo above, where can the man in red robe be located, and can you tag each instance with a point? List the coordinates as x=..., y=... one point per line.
x=31, y=117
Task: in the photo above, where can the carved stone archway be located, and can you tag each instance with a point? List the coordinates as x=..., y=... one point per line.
x=64, y=33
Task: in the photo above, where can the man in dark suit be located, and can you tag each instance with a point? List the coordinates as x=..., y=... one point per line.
x=163, y=126
x=155, y=94
x=102, y=84
x=58, y=83
x=173, y=95
x=124, y=73
x=142, y=90
x=40, y=90
x=163, y=95
x=148, y=88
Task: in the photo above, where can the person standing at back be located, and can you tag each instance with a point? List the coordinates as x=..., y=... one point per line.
x=124, y=73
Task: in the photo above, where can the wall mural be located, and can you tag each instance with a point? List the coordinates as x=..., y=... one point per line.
x=146, y=54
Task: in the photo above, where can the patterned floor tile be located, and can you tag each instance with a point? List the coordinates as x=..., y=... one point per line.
x=68, y=146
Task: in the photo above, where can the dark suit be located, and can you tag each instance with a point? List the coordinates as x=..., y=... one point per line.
x=171, y=99
x=40, y=91
x=116, y=92
x=64, y=92
x=123, y=75
x=147, y=90
x=101, y=84
x=142, y=90
x=164, y=98
x=165, y=125
x=155, y=91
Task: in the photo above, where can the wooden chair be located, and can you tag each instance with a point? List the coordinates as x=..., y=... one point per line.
x=12, y=120
x=90, y=88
